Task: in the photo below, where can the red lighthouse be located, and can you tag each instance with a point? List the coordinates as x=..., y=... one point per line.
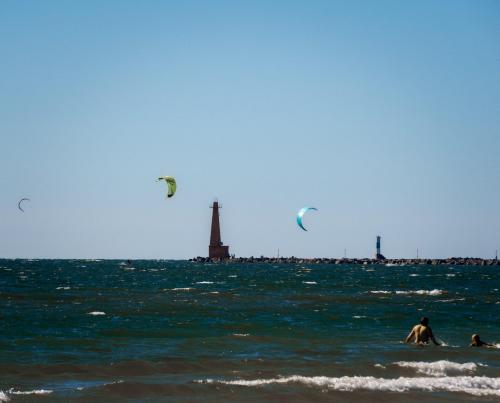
x=216, y=249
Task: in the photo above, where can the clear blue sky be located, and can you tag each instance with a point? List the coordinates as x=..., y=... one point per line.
x=384, y=115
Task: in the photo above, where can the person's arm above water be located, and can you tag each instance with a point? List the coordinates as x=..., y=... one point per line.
x=431, y=335
x=410, y=336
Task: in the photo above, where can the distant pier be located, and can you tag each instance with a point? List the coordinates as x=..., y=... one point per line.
x=452, y=261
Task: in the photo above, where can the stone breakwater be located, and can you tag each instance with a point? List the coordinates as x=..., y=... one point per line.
x=452, y=261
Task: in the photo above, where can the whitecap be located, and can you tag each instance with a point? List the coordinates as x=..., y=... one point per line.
x=450, y=300
x=29, y=392
x=233, y=276
x=473, y=385
x=96, y=313
x=63, y=288
x=204, y=282
x=380, y=292
x=214, y=292
x=379, y=366
x=414, y=275
x=439, y=368
x=3, y=397
x=359, y=317
x=241, y=334
x=421, y=292
x=310, y=282
x=182, y=289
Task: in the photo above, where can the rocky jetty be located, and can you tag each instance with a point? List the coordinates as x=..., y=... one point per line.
x=452, y=261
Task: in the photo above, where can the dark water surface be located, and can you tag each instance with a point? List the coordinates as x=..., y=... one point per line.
x=174, y=330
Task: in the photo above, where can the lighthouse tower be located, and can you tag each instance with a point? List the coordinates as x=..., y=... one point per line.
x=216, y=249
x=379, y=255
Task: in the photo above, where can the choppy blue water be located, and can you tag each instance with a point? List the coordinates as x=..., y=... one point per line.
x=178, y=330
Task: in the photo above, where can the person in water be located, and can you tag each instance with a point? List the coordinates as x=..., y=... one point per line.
x=477, y=342
x=421, y=333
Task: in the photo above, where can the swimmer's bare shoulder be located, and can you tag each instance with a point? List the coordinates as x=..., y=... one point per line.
x=421, y=333
x=413, y=334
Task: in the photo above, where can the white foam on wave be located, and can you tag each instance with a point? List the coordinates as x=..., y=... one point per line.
x=182, y=289
x=241, y=334
x=5, y=398
x=359, y=316
x=421, y=292
x=310, y=282
x=96, y=313
x=63, y=288
x=439, y=368
x=473, y=385
x=29, y=392
x=450, y=300
x=410, y=292
x=204, y=282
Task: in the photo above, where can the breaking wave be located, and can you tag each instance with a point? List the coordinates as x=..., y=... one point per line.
x=29, y=392
x=4, y=397
x=473, y=385
x=439, y=368
x=410, y=292
x=422, y=292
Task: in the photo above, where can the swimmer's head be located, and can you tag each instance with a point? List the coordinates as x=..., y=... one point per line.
x=475, y=338
x=424, y=320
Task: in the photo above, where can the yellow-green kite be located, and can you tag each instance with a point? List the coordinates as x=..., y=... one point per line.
x=171, y=184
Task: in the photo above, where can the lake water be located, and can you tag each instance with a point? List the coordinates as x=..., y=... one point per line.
x=90, y=330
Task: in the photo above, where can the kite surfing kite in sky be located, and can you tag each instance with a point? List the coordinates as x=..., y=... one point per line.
x=20, y=202
x=301, y=213
x=171, y=185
